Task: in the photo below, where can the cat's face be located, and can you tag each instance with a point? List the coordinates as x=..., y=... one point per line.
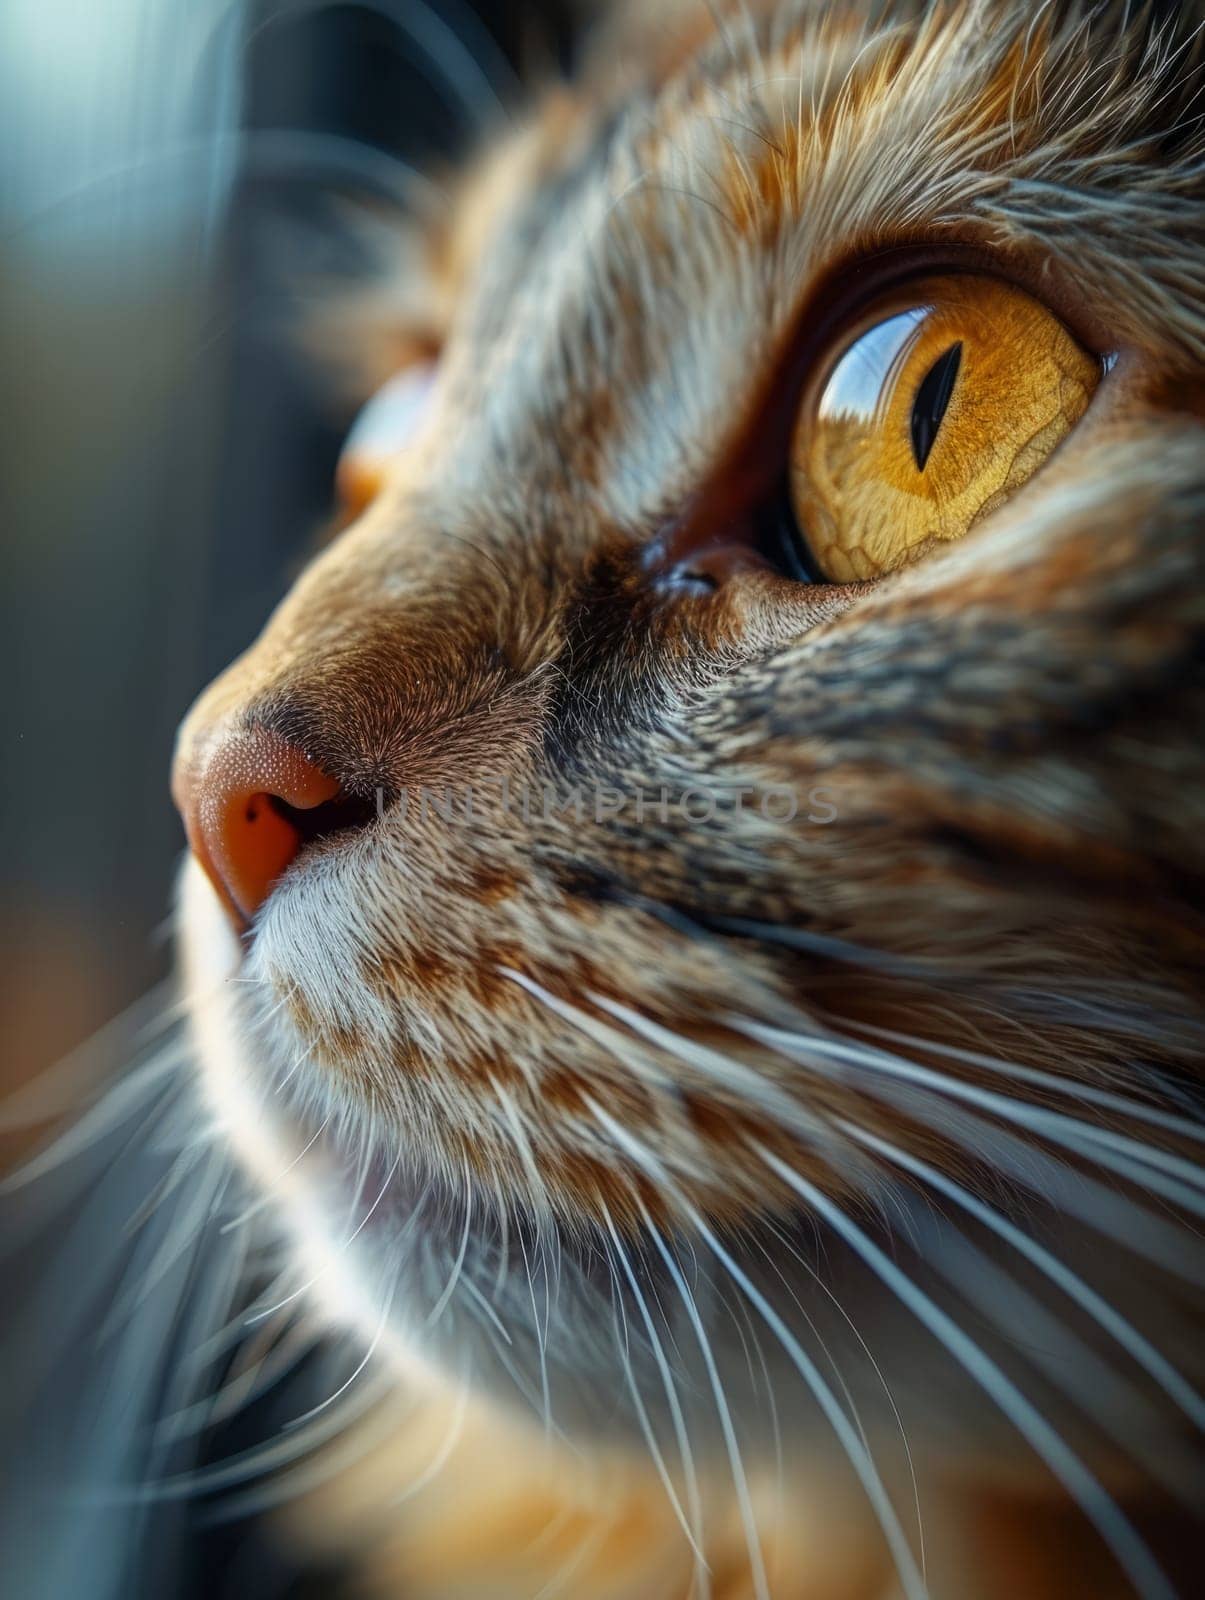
x=590, y=1049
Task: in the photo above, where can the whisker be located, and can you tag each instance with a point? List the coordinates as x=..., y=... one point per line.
x=367, y=1217
x=740, y=1482
x=59, y=1089
x=181, y=1168
x=444, y=1454
x=593, y=1026
x=327, y=1447
x=522, y=1141
x=1124, y=1105
x=1108, y=1212
x=267, y=1198
x=592, y=1541
x=300, y=1422
x=1116, y=1152
x=258, y=1316
x=284, y=1350
x=1122, y=1331
x=1101, y=1208
x=127, y=1095
x=177, y=1243
x=623, y=1346
x=1114, y=1528
x=541, y=1346
x=457, y=67
x=880, y=1375
x=262, y=1460
x=693, y=1527
x=854, y=1448
x=302, y=1058
x=1089, y=1381
x=1140, y=1173
x=449, y=1290
x=484, y=1306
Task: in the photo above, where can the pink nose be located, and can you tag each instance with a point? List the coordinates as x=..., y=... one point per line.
x=244, y=801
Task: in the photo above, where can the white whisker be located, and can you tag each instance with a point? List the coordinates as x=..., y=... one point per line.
x=1124, y=1332
x=443, y=1455
x=267, y=1198
x=284, y=1350
x=258, y=1316
x=1124, y=1105
x=623, y=1346
x=1114, y=1528
x=739, y=1480
x=854, y=1447
x=881, y=1377
x=449, y=1290
x=692, y=1527
x=1128, y=1157
x=300, y=1422
x=263, y=1460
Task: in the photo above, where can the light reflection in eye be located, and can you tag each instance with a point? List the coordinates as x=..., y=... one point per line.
x=858, y=385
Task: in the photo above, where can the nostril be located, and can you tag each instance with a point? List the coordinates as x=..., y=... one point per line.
x=251, y=801
x=340, y=815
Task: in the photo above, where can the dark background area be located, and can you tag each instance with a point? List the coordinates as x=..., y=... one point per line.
x=172, y=171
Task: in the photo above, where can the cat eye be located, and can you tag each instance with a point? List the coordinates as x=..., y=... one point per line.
x=385, y=426
x=951, y=392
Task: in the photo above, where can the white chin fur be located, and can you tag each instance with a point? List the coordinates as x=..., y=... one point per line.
x=211, y=959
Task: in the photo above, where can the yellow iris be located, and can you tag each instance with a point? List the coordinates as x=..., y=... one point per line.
x=952, y=392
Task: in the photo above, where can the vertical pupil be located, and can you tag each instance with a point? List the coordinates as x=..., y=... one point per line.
x=932, y=398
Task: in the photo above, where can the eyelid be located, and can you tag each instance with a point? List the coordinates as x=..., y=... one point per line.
x=846, y=288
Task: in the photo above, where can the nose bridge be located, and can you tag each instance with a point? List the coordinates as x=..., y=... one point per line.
x=379, y=670
x=413, y=575
x=390, y=603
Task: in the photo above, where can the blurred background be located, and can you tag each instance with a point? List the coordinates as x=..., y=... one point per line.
x=175, y=178
x=179, y=184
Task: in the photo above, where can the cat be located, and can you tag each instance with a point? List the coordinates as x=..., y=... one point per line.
x=693, y=923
